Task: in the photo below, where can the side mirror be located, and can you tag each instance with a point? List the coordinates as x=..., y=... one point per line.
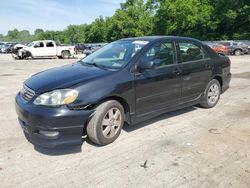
x=145, y=65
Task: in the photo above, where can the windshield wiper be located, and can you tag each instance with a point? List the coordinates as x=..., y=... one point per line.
x=99, y=66
x=95, y=64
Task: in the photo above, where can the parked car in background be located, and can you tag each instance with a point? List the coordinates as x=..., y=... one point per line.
x=247, y=43
x=45, y=48
x=90, y=48
x=6, y=48
x=235, y=48
x=1, y=45
x=209, y=43
x=80, y=48
x=220, y=49
x=130, y=80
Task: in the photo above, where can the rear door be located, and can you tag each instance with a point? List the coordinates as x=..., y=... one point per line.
x=196, y=69
x=50, y=49
x=160, y=87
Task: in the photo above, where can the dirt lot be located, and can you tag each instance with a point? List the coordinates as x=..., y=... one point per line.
x=192, y=147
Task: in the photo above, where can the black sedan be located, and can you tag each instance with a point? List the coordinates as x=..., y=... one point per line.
x=130, y=80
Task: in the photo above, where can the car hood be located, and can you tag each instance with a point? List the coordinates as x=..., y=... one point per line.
x=64, y=77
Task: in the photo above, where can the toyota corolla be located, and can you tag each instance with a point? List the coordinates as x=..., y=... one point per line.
x=129, y=80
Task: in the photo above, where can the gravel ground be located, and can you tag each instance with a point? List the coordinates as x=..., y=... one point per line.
x=193, y=147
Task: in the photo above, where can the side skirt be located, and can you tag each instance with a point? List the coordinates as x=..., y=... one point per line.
x=143, y=117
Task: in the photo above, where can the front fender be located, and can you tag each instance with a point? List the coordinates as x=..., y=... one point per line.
x=120, y=85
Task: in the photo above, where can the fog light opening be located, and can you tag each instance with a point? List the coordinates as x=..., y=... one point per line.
x=49, y=133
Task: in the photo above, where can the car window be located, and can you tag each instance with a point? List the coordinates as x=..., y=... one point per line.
x=224, y=43
x=191, y=52
x=116, y=54
x=39, y=45
x=49, y=44
x=162, y=53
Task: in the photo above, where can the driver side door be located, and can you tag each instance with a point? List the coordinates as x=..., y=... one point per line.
x=160, y=87
x=38, y=49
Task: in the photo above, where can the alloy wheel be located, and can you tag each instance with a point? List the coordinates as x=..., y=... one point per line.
x=111, y=123
x=213, y=94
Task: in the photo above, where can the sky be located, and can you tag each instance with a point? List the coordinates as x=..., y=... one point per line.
x=52, y=14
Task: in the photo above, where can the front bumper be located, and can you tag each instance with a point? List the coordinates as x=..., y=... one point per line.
x=65, y=126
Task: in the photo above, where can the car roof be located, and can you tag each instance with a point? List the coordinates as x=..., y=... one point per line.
x=43, y=41
x=153, y=38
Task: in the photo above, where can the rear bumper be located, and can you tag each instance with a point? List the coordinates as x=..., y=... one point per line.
x=51, y=127
x=226, y=79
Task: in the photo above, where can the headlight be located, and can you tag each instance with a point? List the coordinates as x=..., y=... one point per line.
x=57, y=97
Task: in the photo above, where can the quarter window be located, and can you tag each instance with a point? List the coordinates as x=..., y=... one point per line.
x=191, y=52
x=162, y=54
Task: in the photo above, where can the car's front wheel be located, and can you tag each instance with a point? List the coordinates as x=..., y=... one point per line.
x=106, y=123
x=211, y=95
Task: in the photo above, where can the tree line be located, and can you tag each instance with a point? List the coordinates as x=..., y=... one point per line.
x=201, y=19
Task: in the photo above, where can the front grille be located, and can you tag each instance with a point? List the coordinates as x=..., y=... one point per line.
x=27, y=93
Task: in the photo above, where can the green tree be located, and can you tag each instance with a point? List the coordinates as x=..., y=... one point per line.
x=38, y=30
x=134, y=18
x=97, y=31
x=232, y=18
x=202, y=19
x=189, y=18
x=74, y=34
x=13, y=34
x=2, y=37
x=23, y=36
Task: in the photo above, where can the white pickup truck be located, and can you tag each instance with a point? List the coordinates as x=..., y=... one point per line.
x=45, y=48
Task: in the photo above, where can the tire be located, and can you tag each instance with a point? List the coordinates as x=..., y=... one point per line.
x=103, y=127
x=211, y=95
x=237, y=52
x=65, y=55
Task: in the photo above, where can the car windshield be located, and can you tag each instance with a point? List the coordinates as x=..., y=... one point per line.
x=114, y=55
x=30, y=44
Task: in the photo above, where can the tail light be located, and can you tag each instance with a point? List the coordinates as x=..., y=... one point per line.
x=229, y=61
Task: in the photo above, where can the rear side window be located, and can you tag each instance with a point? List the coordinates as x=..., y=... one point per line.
x=49, y=44
x=162, y=54
x=191, y=52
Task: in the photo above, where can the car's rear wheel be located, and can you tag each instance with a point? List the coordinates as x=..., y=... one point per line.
x=65, y=55
x=237, y=52
x=106, y=123
x=211, y=95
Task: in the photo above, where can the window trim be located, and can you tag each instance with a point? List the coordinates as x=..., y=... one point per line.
x=49, y=46
x=39, y=46
x=194, y=43
x=175, y=58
